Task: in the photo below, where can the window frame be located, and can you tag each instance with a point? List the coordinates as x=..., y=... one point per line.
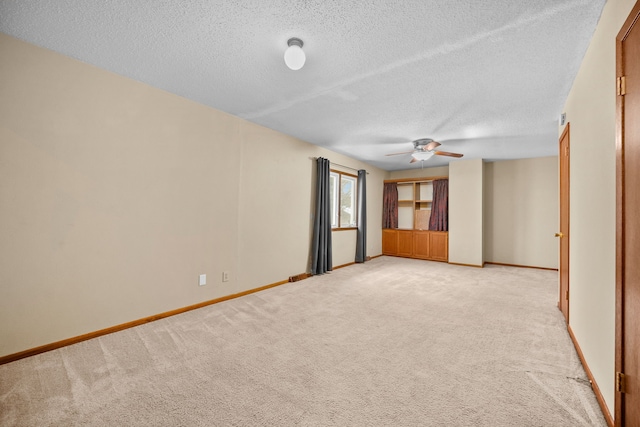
x=335, y=210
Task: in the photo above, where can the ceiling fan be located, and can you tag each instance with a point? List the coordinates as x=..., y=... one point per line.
x=424, y=149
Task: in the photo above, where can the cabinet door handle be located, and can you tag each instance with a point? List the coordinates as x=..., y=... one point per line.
x=560, y=235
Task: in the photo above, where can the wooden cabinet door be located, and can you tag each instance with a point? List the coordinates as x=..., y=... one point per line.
x=439, y=245
x=421, y=244
x=389, y=241
x=405, y=243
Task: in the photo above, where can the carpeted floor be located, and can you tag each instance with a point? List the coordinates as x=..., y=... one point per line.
x=393, y=342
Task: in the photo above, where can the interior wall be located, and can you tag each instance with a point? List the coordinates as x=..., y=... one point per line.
x=466, y=212
x=277, y=206
x=521, y=212
x=591, y=109
x=420, y=172
x=111, y=198
x=115, y=196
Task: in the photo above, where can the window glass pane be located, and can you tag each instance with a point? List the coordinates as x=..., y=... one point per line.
x=347, y=201
x=333, y=196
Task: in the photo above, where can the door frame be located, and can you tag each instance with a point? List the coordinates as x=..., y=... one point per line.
x=631, y=20
x=564, y=214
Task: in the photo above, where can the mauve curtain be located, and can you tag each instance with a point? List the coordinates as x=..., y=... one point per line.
x=390, y=205
x=321, y=256
x=361, y=237
x=439, y=220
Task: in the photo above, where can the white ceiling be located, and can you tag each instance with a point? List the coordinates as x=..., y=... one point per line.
x=486, y=78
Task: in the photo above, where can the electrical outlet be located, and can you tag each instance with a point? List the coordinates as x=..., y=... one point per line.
x=225, y=276
x=203, y=280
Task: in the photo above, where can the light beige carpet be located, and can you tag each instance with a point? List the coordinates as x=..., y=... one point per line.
x=394, y=342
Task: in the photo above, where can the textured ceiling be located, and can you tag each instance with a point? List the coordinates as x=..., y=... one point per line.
x=486, y=78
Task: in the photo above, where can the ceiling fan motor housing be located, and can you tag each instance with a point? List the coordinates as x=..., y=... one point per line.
x=420, y=144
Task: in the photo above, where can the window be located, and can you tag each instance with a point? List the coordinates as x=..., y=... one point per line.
x=342, y=192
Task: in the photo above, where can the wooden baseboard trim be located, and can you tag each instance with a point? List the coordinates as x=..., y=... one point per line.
x=603, y=406
x=467, y=265
x=367, y=259
x=344, y=265
x=521, y=266
x=74, y=340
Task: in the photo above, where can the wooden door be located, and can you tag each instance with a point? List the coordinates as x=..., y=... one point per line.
x=421, y=244
x=389, y=242
x=405, y=243
x=627, y=408
x=439, y=245
x=563, y=234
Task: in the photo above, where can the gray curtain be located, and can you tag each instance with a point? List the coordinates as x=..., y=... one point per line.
x=321, y=256
x=361, y=237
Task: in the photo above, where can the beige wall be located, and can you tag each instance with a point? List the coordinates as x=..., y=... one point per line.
x=276, y=207
x=590, y=110
x=520, y=217
x=115, y=196
x=521, y=212
x=420, y=172
x=466, y=212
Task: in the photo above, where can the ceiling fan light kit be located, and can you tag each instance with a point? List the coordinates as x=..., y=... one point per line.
x=294, y=56
x=422, y=155
x=424, y=149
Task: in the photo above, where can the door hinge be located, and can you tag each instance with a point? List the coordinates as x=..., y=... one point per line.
x=621, y=86
x=566, y=295
x=621, y=382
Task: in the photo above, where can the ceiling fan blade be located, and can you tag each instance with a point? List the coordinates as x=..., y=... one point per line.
x=446, y=153
x=431, y=146
x=413, y=160
x=395, y=154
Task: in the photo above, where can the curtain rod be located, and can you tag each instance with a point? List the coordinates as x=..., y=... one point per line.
x=338, y=164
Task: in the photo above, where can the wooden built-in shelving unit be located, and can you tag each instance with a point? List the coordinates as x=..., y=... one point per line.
x=412, y=238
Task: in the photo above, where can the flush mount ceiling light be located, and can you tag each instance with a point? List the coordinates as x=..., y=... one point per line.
x=294, y=56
